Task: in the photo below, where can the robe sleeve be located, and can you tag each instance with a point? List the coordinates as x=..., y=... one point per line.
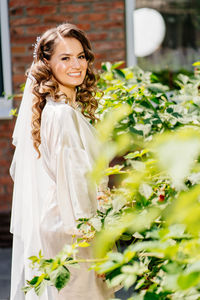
x=67, y=162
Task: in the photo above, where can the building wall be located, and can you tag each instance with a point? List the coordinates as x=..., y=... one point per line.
x=103, y=20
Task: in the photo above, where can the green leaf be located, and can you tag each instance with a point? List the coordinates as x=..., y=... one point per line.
x=60, y=277
x=117, y=64
x=129, y=281
x=120, y=73
x=145, y=190
x=117, y=279
x=34, y=280
x=151, y=296
x=33, y=259
x=137, y=154
x=114, y=170
x=39, y=289
x=140, y=283
x=196, y=64
x=133, y=130
x=186, y=281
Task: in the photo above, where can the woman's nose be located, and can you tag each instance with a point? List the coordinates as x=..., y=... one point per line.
x=75, y=63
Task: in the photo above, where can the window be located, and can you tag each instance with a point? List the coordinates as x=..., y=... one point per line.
x=5, y=62
x=180, y=45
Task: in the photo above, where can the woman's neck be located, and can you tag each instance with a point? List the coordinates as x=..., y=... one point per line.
x=69, y=92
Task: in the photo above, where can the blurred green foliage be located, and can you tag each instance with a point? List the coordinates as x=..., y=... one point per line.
x=153, y=214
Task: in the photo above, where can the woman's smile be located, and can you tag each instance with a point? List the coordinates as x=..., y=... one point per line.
x=74, y=74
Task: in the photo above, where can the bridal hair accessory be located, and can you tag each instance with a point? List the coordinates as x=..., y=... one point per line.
x=38, y=38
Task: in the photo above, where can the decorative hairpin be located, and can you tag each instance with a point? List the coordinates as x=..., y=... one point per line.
x=38, y=38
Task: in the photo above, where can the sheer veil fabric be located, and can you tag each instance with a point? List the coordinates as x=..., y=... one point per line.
x=24, y=171
x=50, y=193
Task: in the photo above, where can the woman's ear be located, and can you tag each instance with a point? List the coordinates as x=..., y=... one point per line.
x=46, y=62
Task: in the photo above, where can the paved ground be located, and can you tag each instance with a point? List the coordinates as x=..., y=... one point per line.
x=5, y=266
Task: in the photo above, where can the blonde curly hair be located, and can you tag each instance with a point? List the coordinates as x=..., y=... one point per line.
x=44, y=83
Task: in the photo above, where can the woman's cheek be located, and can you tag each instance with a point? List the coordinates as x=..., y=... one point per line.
x=61, y=67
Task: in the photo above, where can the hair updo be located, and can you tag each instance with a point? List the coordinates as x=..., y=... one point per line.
x=45, y=85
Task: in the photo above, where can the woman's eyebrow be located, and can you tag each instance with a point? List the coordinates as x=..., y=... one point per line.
x=68, y=54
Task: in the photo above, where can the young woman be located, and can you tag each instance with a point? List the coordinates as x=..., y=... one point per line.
x=55, y=148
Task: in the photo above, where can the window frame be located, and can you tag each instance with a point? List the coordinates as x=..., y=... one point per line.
x=131, y=59
x=5, y=104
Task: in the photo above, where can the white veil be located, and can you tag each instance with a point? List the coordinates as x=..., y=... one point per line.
x=26, y=210
x=23, y=158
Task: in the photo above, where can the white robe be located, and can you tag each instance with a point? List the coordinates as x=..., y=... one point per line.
x=68, y=149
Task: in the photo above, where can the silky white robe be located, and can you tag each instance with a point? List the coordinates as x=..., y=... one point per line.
x=68, y=150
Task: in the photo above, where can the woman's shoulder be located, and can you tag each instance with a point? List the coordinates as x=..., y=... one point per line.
x=56, y=109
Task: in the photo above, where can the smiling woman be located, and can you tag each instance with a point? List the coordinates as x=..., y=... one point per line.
x=52, y=160
x=61, y=55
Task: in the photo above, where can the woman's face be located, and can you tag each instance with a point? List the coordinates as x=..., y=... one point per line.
x=68, y=63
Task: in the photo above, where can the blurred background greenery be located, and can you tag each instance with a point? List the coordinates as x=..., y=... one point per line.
x=150, y=135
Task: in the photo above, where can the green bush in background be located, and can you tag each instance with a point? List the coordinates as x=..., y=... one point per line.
x=153, y=212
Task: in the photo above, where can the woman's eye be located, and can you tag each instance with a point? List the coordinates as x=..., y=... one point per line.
x=82, y=56
x=65, y=58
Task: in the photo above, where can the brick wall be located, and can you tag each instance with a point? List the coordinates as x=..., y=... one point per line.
x=103, y=20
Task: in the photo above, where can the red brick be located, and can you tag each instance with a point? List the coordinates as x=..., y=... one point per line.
x=24, y=21
x=101, y=55
x=4, y=207
x=11, y=124
x=84, y=26
x=94, y=17
x=2, y=190
x=19, y=78
x=5, y=199
x=98, y=64
x=87, y=1
x=74, y=8
x=118, y=5
x=116, y=16
x=3, y=124
x=23, y=3
x=19, y=69
x=18, y=49
x=102, y=6
x=41, y=10
x=16, y=88
x=37, y=30
x=56, y=1
x=5, y=165
x=110, y=25
x=24, y=59
x=108, y=45
x=4, y=134
x=119, y=35
x=97, y=36
x=58, y=19
x=117, y=55
x=18, y=31
x=16, y=11
x=9, y=189
x=23, y=40
x=5, y=179
x=3, y=145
